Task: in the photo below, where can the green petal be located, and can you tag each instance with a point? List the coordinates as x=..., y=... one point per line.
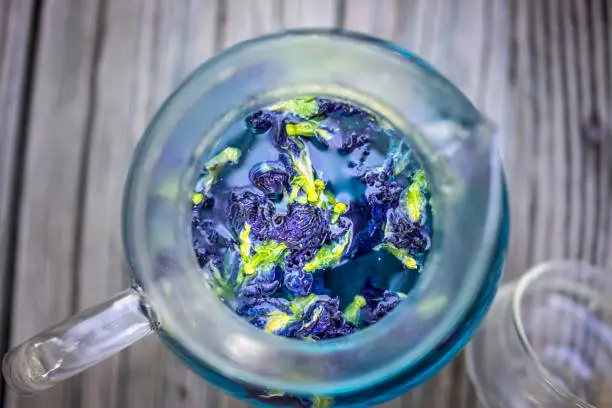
x=328, y=255
x=214, y=166
x=265, y=257
x=353, y=311
x=400, y=253
x=300, y=107
x=300, y=303
x=322, y=402
x=278, y=321
x=414, y=196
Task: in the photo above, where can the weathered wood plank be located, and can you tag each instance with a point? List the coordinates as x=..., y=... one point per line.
x=119, y=106
x=16, y=19
x=246, y=20
x=310, y=13
x=50, y=201
x=539, y=69
x=158, y=43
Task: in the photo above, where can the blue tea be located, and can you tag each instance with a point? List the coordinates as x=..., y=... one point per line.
x=312, y=221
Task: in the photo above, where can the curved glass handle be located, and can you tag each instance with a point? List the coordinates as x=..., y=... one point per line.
x=76, y=343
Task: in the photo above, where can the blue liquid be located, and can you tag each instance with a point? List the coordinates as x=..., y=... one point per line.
x=341, y=171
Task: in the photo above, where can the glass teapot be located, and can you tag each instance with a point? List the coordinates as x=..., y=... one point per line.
x=457, y=148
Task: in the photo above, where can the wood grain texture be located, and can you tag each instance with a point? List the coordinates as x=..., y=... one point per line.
x=50, y=200
x=540, y=69
x=158, y=44
x=16, y=19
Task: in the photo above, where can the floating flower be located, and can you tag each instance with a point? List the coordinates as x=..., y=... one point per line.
x=211, y=171
x=329, y=107
x=270, y=314
x=303, y=108
x=352, y=312
x=403, y=233
x=261, y=121
x=380, y=190
x=307, y=129
x=271, y=178
x=379, y=302
x=304, y=227
x=264, y=258
x=322, y=319
x=329, y=255
x=339, y=228
x=298, y=282
x=263, y=284
x=287, y=228
x=305, y=180
x=254, y=209
x=400, y=253
x=414, y=200
x=399, y=157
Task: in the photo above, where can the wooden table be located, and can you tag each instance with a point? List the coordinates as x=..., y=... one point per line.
x=79, y=79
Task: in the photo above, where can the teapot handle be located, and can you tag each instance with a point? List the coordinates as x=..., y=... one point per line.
x=77, y=343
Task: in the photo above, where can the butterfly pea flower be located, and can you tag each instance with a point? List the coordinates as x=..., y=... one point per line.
x=329, y=107
x=261, y=257
x=211, y=234
x=251, y=307
x=359, y=134
x=414, y=200
x=339, y=228
x=271, y=178
x=398, y=158
x=353, y=140
x=298, y=282
x=263, y=284
x=221, y=281
x=304, y=226
x=400, y=253
x=390, y=300
x=403, y=233
x=320, y=315
x=308, y=129
x=254, y=209
x=209, y=239
x=379, y=302
x=211, y=171
x=270, y=314
x=278, y=322
x=197, y=198
x=299, y=304
x=322, y=319
x=380, y=190
x=371, y=293
x=329, y=255
x=303, y=108
x=338, y=209
x=245, y=242
x=264, y=258
x=262, y=120
x=328, y=200
x=305, y=179
x=322, y=402
x=296, y=259
x=352, y=312
x=284, y=142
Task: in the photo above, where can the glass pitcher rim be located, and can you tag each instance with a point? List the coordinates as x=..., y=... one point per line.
x=149, y=134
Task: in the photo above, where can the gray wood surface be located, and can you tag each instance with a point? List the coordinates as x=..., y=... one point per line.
x=540, y=69
x=15, y=41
